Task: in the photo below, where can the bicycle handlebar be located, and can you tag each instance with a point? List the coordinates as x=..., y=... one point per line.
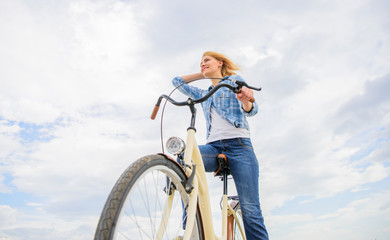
x=190, y=101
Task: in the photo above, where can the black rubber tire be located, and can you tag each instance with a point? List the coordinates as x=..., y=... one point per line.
x=112, y=210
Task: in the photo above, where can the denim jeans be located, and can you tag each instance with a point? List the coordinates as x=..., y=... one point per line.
x=245, y=171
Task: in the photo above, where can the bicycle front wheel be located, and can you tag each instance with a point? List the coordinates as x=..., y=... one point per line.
x=147, y=202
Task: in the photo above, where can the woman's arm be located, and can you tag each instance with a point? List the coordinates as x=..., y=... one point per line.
x=191, y=91
x=192, y=76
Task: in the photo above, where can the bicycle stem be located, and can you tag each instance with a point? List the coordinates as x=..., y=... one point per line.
x=193, y=115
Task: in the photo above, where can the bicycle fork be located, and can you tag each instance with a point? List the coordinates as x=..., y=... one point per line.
x=166, y=213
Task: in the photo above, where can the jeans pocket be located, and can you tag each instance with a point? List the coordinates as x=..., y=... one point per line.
x=245, y=142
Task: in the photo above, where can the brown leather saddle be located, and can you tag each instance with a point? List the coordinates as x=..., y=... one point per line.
x=223, y=166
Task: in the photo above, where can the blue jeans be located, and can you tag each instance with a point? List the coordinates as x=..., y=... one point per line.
x=245, y=171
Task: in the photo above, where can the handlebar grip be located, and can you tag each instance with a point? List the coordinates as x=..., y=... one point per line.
x=154, y=113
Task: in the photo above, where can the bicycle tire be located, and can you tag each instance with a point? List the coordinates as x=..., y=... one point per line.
x=135, y=205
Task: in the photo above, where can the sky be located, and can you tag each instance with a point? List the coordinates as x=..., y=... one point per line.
x=79, y=79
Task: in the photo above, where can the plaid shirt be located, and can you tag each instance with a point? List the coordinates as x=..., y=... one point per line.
x=224, y=101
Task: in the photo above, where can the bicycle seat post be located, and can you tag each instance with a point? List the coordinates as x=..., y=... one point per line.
x=223, y=171
x=225, y=182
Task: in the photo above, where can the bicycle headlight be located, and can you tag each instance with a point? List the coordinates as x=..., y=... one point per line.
x=175, y=145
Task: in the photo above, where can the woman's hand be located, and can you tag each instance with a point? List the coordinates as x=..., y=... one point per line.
x=244, y=96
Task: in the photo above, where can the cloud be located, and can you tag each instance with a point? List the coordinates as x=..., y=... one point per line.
x=356, y=213
x=368, y=109
x=88, y=59
x=8, y=215
x=18, y=225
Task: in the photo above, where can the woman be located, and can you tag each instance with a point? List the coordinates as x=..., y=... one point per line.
x=228, y=133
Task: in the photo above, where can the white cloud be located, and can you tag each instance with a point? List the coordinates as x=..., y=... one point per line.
x=89, y=59
x=18, y=225
x=7, y=215
x=355, y=214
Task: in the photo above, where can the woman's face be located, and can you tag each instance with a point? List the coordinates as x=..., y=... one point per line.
x=210, y=67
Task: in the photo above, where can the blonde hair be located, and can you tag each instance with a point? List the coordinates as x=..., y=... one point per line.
x=228, y=67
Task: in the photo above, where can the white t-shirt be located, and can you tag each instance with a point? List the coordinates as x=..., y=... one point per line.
x=222, y=129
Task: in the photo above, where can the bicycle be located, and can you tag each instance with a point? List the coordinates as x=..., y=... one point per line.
x=157, y=197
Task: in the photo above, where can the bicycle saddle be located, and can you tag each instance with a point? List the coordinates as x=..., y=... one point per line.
x=223, y=166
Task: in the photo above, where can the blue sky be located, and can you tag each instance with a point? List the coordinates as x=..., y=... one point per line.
x=79, y=79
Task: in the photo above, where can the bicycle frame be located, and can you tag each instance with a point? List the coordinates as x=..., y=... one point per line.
x=200, y=192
